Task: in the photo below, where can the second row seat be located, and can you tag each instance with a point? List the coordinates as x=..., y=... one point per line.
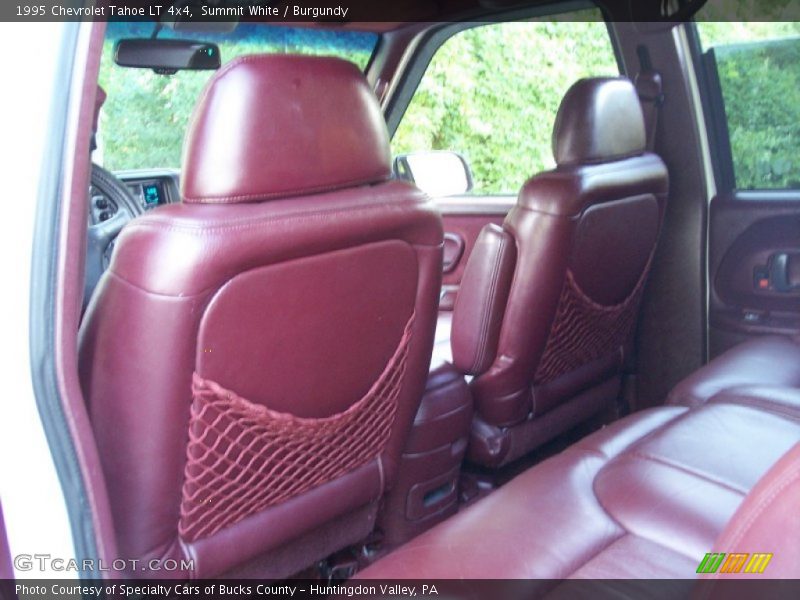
x=549, y=301
x=646, y=497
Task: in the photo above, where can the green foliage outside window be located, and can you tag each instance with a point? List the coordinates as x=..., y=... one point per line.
x=492, y=93
x=760, y=83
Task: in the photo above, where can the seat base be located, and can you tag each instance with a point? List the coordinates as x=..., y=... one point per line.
x=494, y=447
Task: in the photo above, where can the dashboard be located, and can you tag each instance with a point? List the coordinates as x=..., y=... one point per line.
x=149, y=193
x=150, y=188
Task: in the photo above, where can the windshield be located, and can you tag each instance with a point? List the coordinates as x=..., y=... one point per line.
x=144, y=119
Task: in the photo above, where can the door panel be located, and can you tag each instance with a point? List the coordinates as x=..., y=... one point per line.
x=463, y=221
x=749, y=77
x=754, y=267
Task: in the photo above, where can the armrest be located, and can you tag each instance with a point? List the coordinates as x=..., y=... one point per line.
x=481, y=300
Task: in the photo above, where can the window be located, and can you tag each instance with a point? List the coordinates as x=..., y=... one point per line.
x=491, y=93
x=144, y=119
x=757, y=66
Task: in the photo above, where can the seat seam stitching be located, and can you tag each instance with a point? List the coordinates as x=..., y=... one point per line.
x=756, y=403
x=629, y=534
x=162, y=224
x=646, y=436
x=687, y=470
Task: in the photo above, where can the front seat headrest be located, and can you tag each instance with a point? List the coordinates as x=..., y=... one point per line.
x=599, y=120
x=273, y=126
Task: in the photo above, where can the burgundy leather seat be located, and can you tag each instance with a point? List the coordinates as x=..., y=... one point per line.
x=645, y=498
x=254, y=356
x=549, y=300
x=764, y=372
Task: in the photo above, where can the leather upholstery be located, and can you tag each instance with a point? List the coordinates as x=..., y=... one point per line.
x=482, y=299
x=646, y=497
x=320, y=128
x=643, y=498
x=583, y=236
x=772, y=361
x=266, y=299
x=777, y=400
x=767, y=516
x=600, y=120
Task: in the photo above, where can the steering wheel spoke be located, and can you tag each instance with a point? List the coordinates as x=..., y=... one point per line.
x=103, y=233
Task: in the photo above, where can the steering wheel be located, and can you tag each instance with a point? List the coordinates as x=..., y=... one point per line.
x=119, y=207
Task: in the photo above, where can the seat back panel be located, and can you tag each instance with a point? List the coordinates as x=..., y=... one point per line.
x=290, y=336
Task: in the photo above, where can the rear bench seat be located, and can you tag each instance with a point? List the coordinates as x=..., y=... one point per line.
x=648, y=496
x=759, y=372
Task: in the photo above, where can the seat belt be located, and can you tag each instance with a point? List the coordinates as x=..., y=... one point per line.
x=651, y=96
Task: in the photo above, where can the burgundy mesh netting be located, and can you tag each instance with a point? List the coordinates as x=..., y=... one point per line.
x=584, y=330
x=244, y=457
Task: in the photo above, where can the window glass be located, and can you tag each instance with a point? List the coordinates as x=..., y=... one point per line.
x=758, y=65
x=144, y=119
x=491, y=93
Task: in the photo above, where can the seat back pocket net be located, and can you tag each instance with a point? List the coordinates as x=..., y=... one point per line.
x=244, y=457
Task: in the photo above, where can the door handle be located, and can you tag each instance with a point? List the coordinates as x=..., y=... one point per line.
x=784, y=271
x=453, y=250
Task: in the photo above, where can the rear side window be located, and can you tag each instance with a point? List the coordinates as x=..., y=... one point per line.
x=491, y=94
x=754, y=76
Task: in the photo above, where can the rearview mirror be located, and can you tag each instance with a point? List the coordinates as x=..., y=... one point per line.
x=166, y=56
x=437, y=172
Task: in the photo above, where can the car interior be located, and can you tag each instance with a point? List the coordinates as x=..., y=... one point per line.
x=317, y=337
